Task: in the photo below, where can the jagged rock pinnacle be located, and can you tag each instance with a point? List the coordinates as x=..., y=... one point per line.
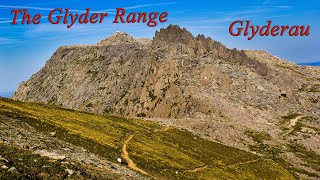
x=173, y=34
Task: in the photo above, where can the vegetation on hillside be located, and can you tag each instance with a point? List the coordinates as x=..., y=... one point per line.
x=16, y=163
x=160, y=152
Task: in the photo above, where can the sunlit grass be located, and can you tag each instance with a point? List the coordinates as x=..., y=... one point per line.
x=169, y=154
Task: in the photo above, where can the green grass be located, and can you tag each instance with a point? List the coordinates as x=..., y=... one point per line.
x=258, y=137
x=159, y=152
x=32, y=166
x=261, y=146
x=93, y=74
x=308, y=156
x=310, y=88
x=287, y=118
x=151, y=95
x=296, y=128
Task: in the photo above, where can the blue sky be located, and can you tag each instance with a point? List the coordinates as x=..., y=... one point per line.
x=24, y=49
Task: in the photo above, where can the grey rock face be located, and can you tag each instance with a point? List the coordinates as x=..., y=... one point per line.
x=174, y=75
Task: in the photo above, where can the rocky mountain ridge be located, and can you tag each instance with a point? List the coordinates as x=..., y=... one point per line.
x=191, y=82
x=148, y=73
x=167, y=48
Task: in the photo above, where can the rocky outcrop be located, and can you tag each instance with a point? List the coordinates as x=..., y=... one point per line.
x=58, y=155
x=174, y=75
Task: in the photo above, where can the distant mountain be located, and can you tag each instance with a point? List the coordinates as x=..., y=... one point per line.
x=316, y=63
x=6, y=94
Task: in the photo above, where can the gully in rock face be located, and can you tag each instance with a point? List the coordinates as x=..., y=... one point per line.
x=237, y=27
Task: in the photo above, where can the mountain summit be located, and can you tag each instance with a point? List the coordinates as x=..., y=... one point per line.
x=164, y=77
x=191, y=82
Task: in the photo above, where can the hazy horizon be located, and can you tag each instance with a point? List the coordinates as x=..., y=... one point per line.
x=6, y=94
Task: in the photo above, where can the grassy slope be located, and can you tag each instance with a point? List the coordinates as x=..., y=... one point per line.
x=159, y=152
x=32, y=166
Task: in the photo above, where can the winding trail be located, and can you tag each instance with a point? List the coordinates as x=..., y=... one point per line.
x=166, y=128
x=198, y=169
x=243, y=163
x=293, y=122
x=125, y=156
